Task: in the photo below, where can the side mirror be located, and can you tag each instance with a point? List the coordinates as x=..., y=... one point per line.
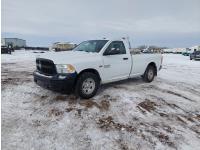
x=112, y=51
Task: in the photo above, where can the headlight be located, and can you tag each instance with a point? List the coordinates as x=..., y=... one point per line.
x=65, y=68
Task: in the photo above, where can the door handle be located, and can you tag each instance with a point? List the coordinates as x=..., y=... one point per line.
x=125, y=58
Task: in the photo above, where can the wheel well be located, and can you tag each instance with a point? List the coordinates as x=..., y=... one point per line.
x=89, y=70
x=154, y=65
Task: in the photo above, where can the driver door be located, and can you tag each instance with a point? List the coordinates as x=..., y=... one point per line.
x=116, y=62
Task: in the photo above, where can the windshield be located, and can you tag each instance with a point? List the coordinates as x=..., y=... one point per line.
x=91, y=46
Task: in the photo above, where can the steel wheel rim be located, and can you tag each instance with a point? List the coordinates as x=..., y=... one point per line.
x=150, y=74
x=88, y=86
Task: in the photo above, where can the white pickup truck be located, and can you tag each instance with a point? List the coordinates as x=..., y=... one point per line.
x=92, y=63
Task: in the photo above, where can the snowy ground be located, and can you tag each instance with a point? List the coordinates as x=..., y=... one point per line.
x=131, y=114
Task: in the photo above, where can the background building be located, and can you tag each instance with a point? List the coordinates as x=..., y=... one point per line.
x=195, y=47
x=14, y=42
x=174, y=50
x=62, y=46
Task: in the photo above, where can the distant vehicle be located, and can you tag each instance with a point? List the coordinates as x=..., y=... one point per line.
x=187, y=52
x=5, y=50
x=195, y=55
x=92, y=63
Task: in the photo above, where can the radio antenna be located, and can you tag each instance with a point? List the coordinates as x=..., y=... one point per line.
x=129, y=44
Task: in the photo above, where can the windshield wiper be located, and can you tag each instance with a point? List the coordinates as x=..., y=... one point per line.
x=83, y=50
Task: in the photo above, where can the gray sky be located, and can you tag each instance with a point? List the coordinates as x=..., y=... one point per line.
x=173, y=23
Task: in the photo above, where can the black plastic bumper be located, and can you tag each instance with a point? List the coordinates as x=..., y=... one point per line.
x=61, y=83
x=197, y=58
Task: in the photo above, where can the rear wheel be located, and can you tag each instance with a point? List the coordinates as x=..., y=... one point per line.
x=87, y=85
x=149, y=74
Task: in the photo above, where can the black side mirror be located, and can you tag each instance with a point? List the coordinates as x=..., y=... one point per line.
x=113, y=51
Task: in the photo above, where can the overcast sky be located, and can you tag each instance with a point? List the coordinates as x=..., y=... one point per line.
x=172, y=23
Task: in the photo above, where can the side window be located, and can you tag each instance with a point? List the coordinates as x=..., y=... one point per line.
x=117, y=46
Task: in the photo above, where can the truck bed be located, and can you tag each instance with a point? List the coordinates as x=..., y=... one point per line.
x=140, y=62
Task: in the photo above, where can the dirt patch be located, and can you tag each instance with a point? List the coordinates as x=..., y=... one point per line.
x=69, y=109
x=180, y=119
x=55, y=112
x=192, y=117
x=44, y=96
x=189, y=118
x=121, y=87
x=103, y=105
x=108, y=124
x=72, y=102
x=88, y=103
x=122, y=145
x=163, y=138
x=196, y=129
x=163, y=126
x=61, y=98
x=197, y=117
x=147, y=105
x=14, y=81
x=15, y=77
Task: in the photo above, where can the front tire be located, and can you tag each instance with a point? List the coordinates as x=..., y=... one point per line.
x=87, y=85
x=149, y=74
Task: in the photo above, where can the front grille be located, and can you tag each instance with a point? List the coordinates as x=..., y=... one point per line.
x=45, y=66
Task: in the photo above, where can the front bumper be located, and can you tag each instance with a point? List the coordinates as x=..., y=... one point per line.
x=59, y=82
x=197, y=57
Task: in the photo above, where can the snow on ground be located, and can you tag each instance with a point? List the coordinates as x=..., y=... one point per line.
x=131, y=114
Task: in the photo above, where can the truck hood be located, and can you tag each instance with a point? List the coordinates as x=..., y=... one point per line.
x=68, y=57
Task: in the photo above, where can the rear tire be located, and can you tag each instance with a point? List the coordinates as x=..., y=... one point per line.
x=87, y=85
x=149, y=74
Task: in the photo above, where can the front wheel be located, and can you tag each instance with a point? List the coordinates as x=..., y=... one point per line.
x=149, y=74
x=87, y=85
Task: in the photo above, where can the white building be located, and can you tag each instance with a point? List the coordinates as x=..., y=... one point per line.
x=179, y=50
x=195, y=47
x=168, y=50
x=15, y=42
x=174, y=50
x=62, y=46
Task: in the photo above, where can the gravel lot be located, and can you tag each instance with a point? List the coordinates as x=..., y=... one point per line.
x=131, y=114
